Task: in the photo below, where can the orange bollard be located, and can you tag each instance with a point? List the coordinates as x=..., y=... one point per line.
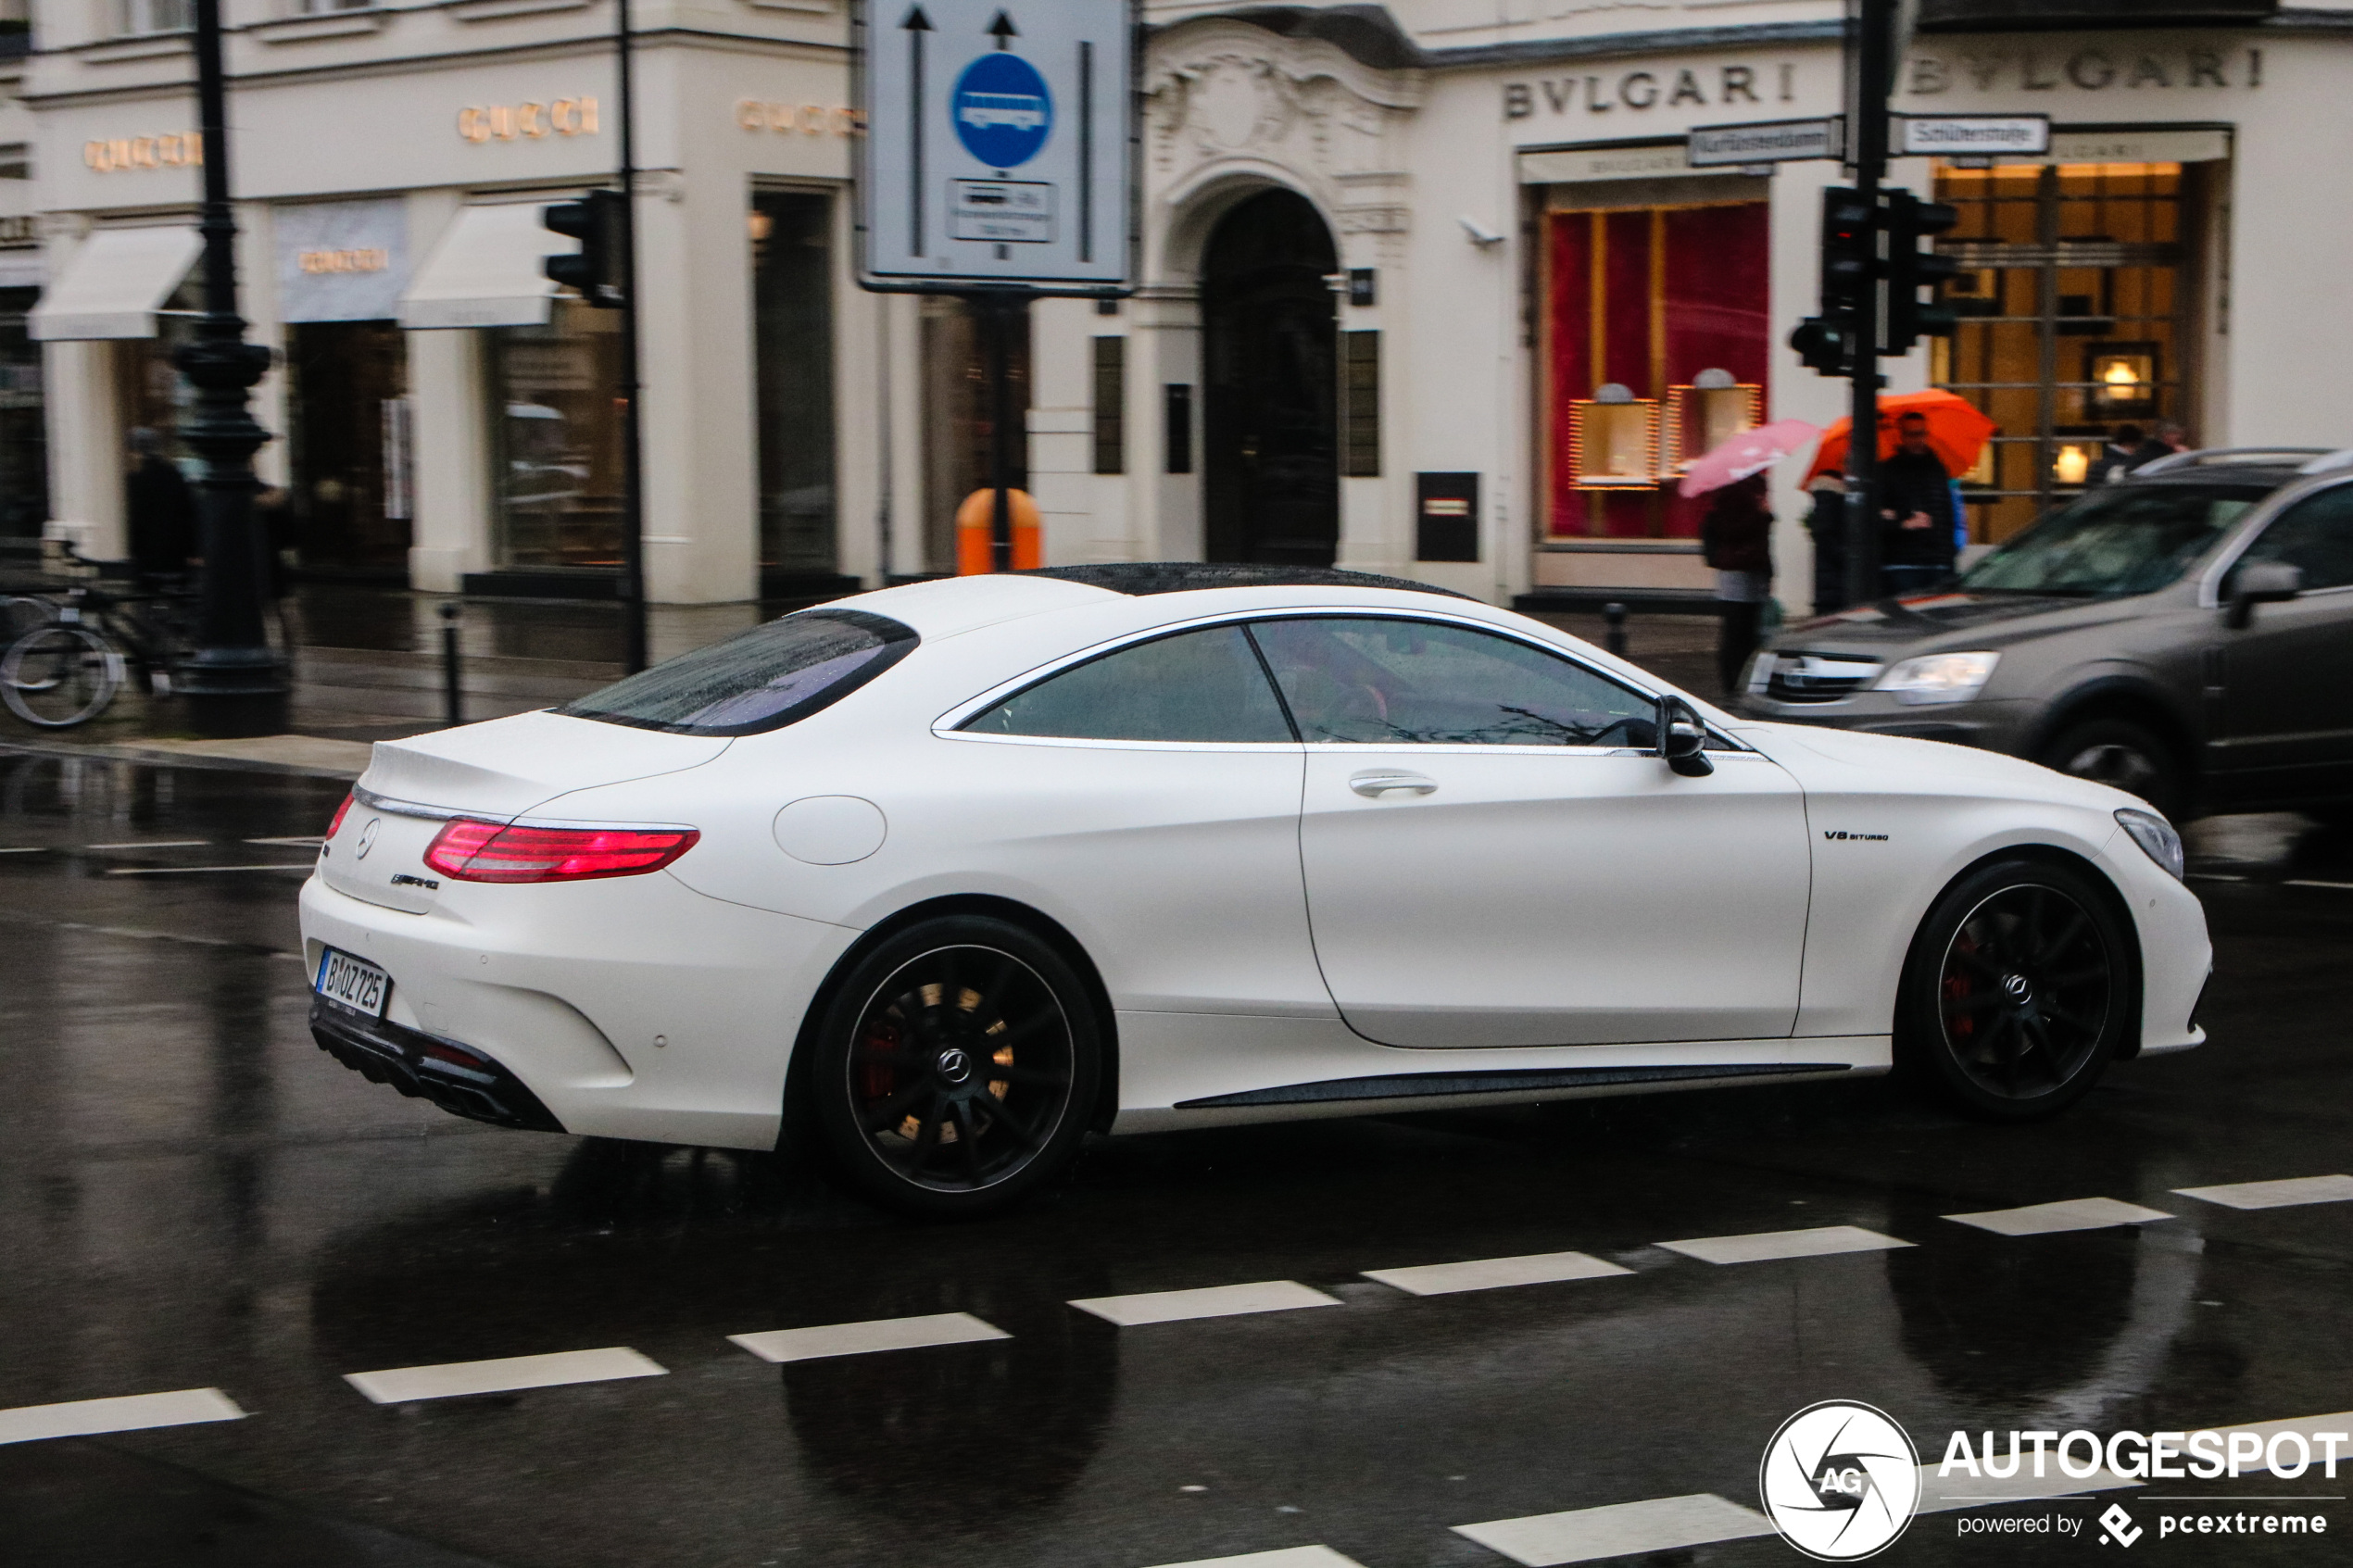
x=973, y=537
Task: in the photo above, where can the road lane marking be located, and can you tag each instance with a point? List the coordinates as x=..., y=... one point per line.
x=1288, y=1556
x=2275, y=1194
x=1623, y=1529
x=188, y=871
x=130, y=1412
x=1211, y=1301
x=2074, y=1214
x=22, y=848
x=300, y=841
x=400, y=1385
x=858, y=1338
x=155, y=844
x=1489, y=1274
x=1824, y=1241
x=2306, y=882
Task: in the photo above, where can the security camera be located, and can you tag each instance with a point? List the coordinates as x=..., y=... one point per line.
x=1480, y=234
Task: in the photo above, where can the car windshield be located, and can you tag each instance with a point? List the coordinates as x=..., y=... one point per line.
x=759, y=680
x=2125, y=539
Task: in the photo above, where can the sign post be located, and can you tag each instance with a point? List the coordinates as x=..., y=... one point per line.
x=998, y=165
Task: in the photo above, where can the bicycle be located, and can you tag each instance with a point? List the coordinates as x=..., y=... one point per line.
x=66, y=672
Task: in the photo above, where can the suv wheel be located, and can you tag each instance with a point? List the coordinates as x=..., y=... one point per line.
x=2119, y=752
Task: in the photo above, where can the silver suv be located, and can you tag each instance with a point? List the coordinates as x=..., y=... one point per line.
x=2185, y=633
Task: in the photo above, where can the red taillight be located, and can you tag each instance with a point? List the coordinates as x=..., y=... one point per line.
x=472, y=851
x=341, y=812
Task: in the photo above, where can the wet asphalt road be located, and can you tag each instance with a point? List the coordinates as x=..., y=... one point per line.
x=192, y=1196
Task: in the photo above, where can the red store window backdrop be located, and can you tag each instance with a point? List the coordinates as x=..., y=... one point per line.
x=1647, y=298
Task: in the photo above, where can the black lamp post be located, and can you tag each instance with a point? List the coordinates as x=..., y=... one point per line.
x=238, y=680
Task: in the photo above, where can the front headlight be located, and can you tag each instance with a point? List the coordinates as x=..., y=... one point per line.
x=2156, y=836
x=1939, y=677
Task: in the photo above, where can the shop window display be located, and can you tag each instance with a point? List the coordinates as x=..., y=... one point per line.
x=24, y=452
x=958, y=430
x=792, y=295
x=2075, y=295
x=558, y=427
x=1656, y=339
x=346, y=387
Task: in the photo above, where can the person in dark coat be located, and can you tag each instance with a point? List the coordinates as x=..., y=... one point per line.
x=1827, y=522
x=1736, y=538
x=159, y=512
x=1916, y=508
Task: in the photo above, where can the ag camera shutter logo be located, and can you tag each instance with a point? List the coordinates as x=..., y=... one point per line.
x=1002, y=110
x=1840, y=1481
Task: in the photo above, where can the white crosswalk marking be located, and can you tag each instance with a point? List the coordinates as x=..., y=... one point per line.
x=858, y=1338
x=1824, y=1241
x=2074, y=1214
x=399, y=1384
x=155, y=844
x=2275, y=1194
x=1489, y=1274
x=1288, y=1556
x=1212, y=1301
x=1624, y=1529
x=130, y=1413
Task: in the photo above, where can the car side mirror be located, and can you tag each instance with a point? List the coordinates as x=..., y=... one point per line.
x=1682, y=738
x=2260, y=583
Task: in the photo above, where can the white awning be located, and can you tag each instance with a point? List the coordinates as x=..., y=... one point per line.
x=116, y=283
x=485, y=272
x=22, y=269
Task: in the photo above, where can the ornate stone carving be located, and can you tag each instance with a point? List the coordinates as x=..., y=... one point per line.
x=1224, y=93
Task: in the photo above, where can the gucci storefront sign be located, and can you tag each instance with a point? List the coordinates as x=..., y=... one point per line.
x=172, y=150
x=342, y=261
x=531, y=121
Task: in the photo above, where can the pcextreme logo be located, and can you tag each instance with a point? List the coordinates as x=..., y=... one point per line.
x=1840, y=1481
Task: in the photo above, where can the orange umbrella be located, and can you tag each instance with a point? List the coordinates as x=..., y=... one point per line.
x=1957, y=431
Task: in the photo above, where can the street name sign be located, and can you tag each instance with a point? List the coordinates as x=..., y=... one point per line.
x=999, y=145
x=1972, y=135
x=1772, y=141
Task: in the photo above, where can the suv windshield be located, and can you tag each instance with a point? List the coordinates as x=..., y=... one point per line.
x=2125, y=539
x=759, y=680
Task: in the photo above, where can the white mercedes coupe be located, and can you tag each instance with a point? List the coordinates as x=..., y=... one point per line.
x=945, y=876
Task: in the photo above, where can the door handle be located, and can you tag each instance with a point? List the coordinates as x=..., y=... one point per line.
x=1380, y=781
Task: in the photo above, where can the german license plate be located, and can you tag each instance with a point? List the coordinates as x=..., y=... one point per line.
x=354, y=982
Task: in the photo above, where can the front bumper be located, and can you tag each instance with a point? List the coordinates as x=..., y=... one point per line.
x=463, y=1082
x=2004, y=726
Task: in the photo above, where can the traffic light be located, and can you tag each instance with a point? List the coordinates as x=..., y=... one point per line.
x=1824, y=345
x=1911, y=224
x=1850, y=250
x=600, y=270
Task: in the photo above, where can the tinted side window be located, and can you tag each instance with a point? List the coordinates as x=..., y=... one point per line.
x=2315, y=534
x=1420, y=683
x=759, y=680
x=1202, y=685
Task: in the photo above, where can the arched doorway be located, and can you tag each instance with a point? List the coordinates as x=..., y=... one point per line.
x=1270, y=414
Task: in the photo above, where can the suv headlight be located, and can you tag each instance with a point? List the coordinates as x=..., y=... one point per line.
x=2156, y=836
x=1939, y=677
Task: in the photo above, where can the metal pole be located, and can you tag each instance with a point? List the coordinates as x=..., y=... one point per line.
x=240, y=681
x=1614, y=628
x=633, y=489
x=998, y=311
x=1872, y=26
x=453, y=702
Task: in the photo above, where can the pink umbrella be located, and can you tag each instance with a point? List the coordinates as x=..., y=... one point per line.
x=1752, y=451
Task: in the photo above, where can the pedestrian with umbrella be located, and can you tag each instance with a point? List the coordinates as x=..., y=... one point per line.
x=1924, y=439
x=1736, y=534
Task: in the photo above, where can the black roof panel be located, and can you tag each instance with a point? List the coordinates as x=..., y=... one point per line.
x=1182, y=576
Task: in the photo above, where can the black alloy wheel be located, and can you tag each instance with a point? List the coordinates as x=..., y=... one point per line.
x=958, y=1067
x=2121, y=753
x=2021, y=987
